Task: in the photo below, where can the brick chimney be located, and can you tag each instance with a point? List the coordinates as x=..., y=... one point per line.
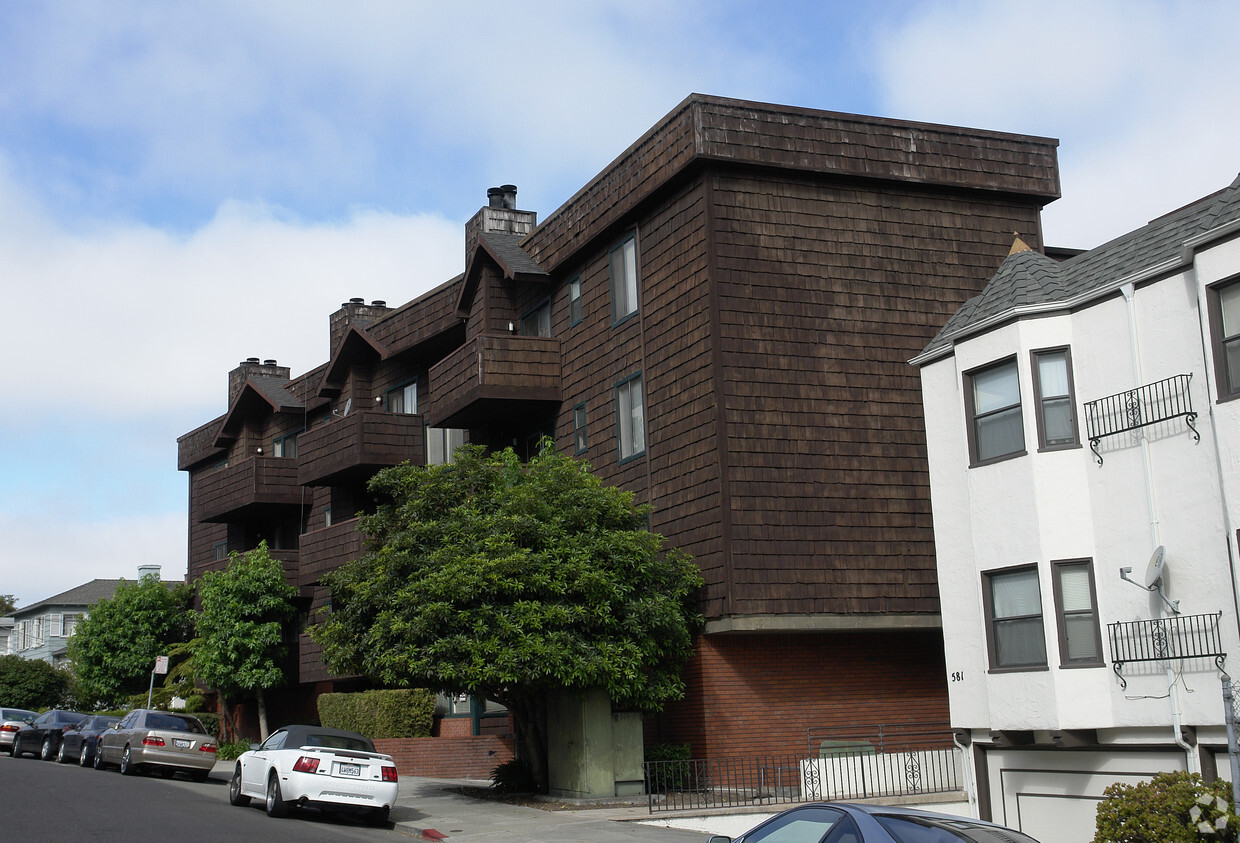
x=251, y=367
x=354, y=312
x=499, y=215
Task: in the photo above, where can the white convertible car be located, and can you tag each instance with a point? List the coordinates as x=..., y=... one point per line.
x=316, y=767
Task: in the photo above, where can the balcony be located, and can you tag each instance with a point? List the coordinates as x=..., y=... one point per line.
x=1165, y=639
x=1146, y=405
x=256, y=488
x=495, y=376
x=351, y=449
x=328, y=548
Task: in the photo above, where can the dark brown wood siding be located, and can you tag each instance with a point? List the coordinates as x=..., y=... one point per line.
x=826, y=291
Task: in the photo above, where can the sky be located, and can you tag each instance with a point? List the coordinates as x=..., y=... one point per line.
x=185, y=185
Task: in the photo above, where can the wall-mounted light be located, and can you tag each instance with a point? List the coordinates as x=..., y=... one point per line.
x=260, y=450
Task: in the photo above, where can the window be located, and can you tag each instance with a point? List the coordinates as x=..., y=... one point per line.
x=403, y=399
x=1013, y=606
x=68, y=623
x=1224, y=307
x=992, y=402
x=285, y=446
x=1052, y=392
x=574, y=301
x=441, y=442
x=579, y=428
x=1080, y=639
x=622, y=262
x=219, y=551
x=537, y=323
x=631, y=418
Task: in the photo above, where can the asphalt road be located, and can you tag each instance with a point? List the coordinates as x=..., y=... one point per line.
x=45, y=801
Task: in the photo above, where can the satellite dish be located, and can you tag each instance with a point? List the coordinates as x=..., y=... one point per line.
x=1154, y=570
x=348, y=405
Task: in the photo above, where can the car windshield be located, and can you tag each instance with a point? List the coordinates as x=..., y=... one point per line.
x=338, y=742
x=910, y=829
x=158, y=720
x=16, y=714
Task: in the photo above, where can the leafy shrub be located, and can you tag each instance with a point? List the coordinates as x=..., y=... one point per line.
x=31, y=683
x=1174, y=807
x=514, y=776
x=673, y=772
x=380, y=714
x=195, y=703
x=229, y=751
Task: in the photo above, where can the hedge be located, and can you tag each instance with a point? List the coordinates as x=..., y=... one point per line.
x=380, y=714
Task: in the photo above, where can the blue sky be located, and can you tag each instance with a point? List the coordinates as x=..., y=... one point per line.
x=184, y=185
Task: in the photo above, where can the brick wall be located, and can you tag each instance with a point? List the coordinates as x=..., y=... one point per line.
x=765, y=694
x=456, y=757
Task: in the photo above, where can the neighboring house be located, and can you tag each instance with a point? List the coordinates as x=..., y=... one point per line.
x=42, y=630
x=1080, y=416
x=720, y=322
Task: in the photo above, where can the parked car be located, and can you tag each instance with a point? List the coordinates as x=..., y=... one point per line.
x=79, y=741
x=316, y=767
x=159, y=741
x=12, y=721
x=842, y=822
x=42, y=739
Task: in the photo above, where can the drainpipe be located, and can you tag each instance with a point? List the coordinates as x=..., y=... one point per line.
x=1191, y=758
x=966, y=766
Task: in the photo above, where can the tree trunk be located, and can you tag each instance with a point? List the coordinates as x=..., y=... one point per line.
x=230, y=728
x=262, y=715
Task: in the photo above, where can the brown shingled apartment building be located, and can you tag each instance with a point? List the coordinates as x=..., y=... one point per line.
x=720, y=321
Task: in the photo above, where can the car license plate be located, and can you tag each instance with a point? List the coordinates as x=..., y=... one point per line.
x=180, y=743
x=350, y=769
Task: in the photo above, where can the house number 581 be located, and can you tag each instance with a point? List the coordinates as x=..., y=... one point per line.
x=957, y=675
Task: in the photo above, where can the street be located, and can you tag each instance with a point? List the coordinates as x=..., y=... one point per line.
x=45, y=801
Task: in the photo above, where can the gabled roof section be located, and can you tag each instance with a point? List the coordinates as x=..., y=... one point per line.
x=505, y=251
x=356, y=346
x=257, y=396
x=87, y=594
x=1028, y=282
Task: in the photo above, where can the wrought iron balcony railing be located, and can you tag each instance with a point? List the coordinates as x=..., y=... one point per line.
x=1155, y=402
x=1161, y=639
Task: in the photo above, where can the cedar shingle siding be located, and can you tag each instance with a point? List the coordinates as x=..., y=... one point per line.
x=789, y=263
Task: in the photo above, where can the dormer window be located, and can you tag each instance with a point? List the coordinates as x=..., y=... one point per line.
x=403, y=399
x=537, y=323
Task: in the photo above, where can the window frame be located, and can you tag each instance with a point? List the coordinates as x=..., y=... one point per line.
x=1035, y=369
x=1219, y=342
x=575, y=307
x=621, y=422
x=581, y=442
x=1061, y=616
x=988, y=610
x=972, y=417
x=541, y=314
x=402, y=390
x=629, y=242
x=281, y=444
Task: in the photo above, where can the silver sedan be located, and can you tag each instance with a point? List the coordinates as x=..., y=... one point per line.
x=160, y=741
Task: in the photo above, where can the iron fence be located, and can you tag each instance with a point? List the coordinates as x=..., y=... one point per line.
x=1160, y=401
x=1161, y=639
x=841, y=769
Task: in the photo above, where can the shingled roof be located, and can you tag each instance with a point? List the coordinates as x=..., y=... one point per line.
x=1029, y=282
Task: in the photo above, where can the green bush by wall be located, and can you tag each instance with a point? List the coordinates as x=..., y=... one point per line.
x=380, y=714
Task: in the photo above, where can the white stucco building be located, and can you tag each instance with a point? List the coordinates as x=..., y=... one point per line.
x=1080, y=415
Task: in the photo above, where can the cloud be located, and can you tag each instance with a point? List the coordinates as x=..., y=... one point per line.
x=37, y=568
x=1144, y=96
x=128, y=319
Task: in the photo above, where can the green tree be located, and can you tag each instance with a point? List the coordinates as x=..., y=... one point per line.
x=8, y=602
x=31, y=683
x=508, y=582
x=1176, y=807
x=113, y=648
x=240, y=641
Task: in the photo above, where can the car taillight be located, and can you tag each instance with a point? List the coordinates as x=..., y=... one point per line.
x=9, y=727
x=389, y=774
x=306, y=764
x=152, y=741
x=207, y=747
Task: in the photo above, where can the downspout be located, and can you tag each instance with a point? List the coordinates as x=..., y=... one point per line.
x=966, y=766
x=1191, y=757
